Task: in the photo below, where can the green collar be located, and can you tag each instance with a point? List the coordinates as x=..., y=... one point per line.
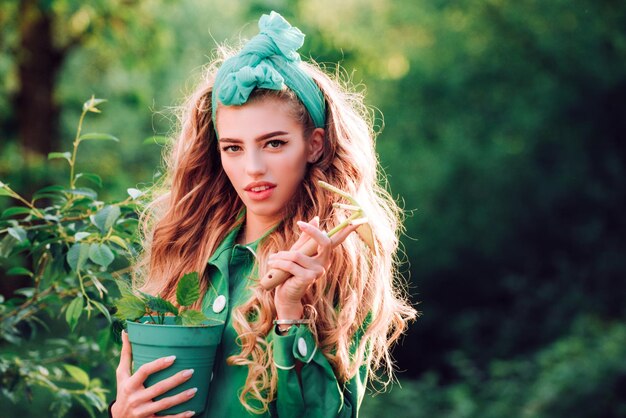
x=226, y=244
x=220, y=255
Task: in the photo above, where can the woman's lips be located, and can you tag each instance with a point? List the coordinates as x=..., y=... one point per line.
x=260, y=193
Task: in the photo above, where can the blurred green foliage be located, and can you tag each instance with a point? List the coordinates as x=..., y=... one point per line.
x=502, y=130
x=581, y=375
x=75, y=247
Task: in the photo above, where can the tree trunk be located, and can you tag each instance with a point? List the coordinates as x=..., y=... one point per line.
x=39, y=62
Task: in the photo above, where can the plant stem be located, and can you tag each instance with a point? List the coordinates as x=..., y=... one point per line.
x=74, y=152
x=84, y=292
x=340, y=192
x=345, y=223
x=15, y=195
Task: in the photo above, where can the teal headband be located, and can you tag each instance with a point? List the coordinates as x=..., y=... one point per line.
x=269, y=61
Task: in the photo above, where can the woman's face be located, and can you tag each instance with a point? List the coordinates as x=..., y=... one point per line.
x=265, y=154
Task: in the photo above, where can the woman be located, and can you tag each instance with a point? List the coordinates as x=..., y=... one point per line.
x=258, y=134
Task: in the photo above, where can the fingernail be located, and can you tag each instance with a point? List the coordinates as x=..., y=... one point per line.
x=191, y=392
x=169, y=359
x=189, y=414
x=188, y=372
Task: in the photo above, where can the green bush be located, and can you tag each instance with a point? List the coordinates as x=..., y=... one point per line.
x=55, y=333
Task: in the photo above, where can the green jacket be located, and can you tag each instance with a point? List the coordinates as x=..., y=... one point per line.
x=319, y=395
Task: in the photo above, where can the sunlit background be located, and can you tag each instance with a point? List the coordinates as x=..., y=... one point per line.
x=502, y=128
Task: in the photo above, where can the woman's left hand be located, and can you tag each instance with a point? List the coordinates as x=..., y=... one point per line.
x=305, y=270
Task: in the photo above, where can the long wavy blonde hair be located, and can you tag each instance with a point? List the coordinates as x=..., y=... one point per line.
x=194, y=206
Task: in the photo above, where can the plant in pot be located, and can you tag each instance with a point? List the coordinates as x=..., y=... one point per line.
x=157, y=328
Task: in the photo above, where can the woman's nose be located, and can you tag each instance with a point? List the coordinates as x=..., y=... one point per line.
x=255, y=165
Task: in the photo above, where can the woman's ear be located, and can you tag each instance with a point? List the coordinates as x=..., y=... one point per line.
x=316, y=145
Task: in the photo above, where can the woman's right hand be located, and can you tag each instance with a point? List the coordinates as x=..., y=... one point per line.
x=134, y=400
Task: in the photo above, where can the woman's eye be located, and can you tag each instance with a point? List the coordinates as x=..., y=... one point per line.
x=275, y=143
x=231, y=148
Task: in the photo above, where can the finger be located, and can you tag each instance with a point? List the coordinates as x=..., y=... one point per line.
x=142, y=373
x=303, y=260
x=304, y=237
x=318, y=235
x=168, y=402
x=295, y=270
x=123, y=369
x=165, y=385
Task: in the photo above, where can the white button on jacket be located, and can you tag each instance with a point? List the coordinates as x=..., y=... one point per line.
x=219, y=304
x=302, y=347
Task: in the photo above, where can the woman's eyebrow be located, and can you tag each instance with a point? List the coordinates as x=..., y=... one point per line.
x=260, y=138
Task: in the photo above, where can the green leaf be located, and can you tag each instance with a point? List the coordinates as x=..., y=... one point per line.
x=52, y=218
x=103, y=309
x=82, y=203
x=134, y=193
x=160, y=305
x=191, y=318
x=19, y=271
x=5, y=192
x=188, y=289
x=81, y=235
x=130, y=308
x=78, y=374
x=7, y=245
x=98, y=137
x=101, y=254
x=27, y=292
x=16, y=210
x=157, y=139
x=77, y=256
x=51, y=189
x=97, y=399
x=145, y=295
x=64, y=155
x=119, y=241
x=18, y=233
x=52, y=192
x=124, y=288
x=83, y=191
x=106, y=217
x=94, y=178
x=73, y=312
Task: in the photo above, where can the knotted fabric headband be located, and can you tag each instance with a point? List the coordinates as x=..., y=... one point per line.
x=270, y=61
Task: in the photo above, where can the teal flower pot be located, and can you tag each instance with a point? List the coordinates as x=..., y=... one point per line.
x=194, y=348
